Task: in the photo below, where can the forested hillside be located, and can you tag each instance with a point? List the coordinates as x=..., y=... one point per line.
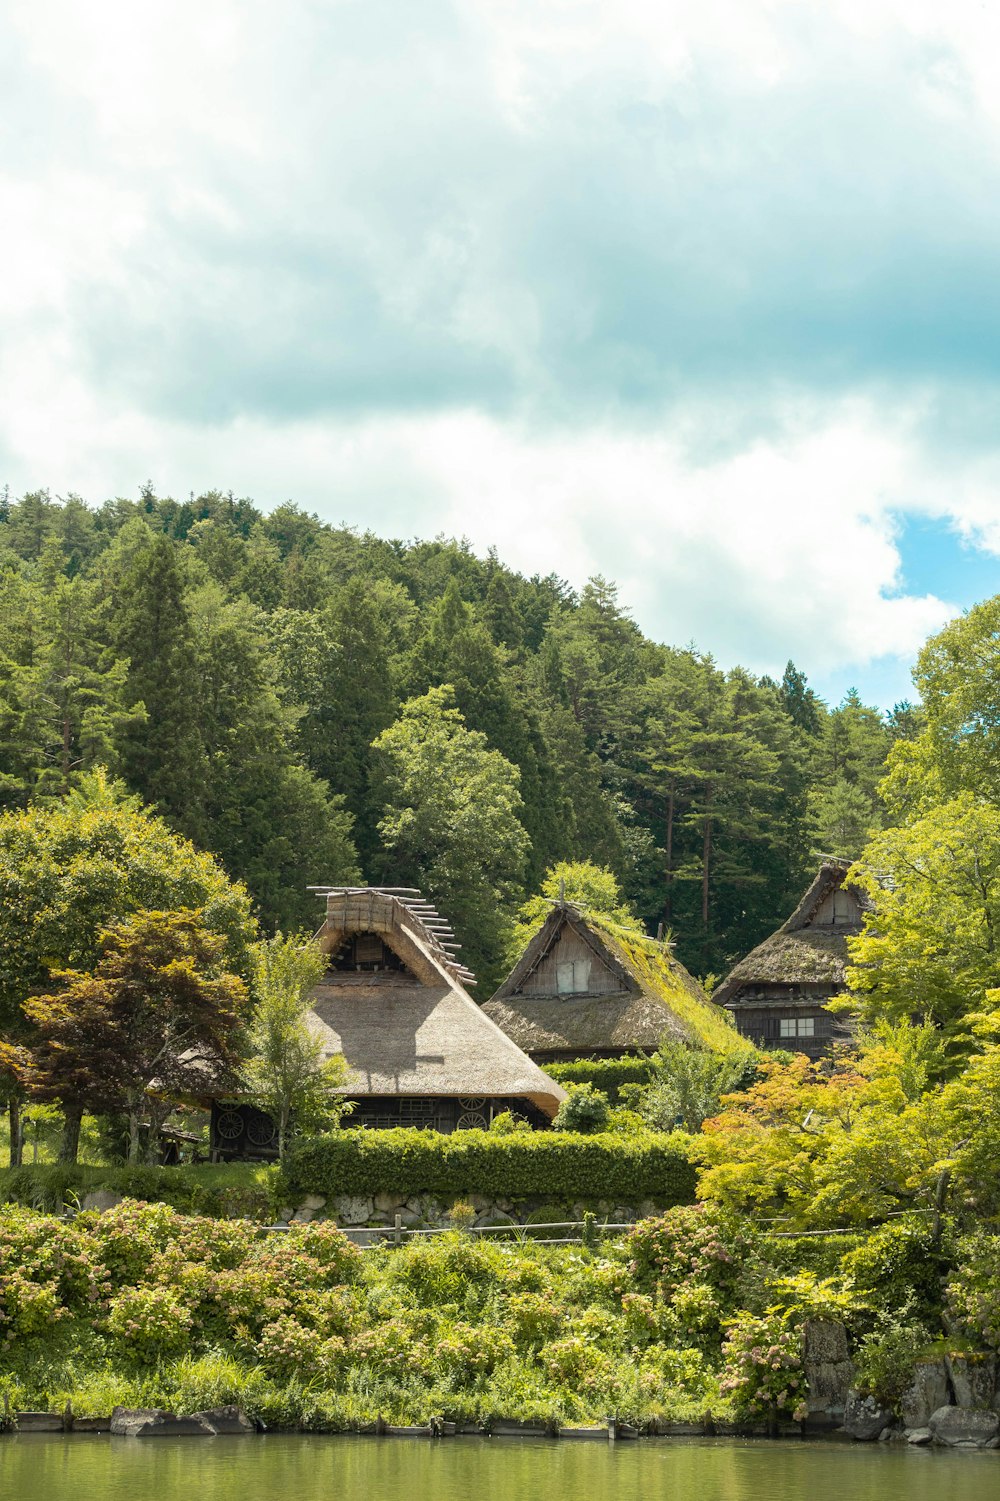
x=315, y=705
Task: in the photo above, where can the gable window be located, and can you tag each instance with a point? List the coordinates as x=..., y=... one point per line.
x=573, y=977
x=797, y=1026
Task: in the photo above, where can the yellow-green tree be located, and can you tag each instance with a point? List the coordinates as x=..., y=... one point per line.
x=288, y=1074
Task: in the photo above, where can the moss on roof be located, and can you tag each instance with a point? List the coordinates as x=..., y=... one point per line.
x=807, y=957
x=665, y=978
x=658, y=998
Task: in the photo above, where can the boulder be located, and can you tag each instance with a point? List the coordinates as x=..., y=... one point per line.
x=386, y=1203
x=824, y=1340
x=973, y=1379
x=101, y=1199
x=352, y=1209
x=314, y=1202
x=918, y=1435
x=827, y=1364
x=964, y=1427
x=925, y=1394
x=226, y=1420
x=864, y=1417
x=154, y=1422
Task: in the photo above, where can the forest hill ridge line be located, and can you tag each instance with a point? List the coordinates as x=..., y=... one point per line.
x=254, y=678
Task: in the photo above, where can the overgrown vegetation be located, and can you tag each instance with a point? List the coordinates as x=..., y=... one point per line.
x=141, y=1306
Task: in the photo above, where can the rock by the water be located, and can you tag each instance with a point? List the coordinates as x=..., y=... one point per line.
x=918, y=1435
x=825, y=1340
x=973, y=1380
x=828, y=1368
x=225, y=1420
x=155, y=1422
x=864, y=1417
x=925, y=1394
x=964, y=1427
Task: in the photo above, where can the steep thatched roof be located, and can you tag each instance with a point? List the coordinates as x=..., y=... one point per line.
x=655, y=998
x=414, y=1031
x=802, y=952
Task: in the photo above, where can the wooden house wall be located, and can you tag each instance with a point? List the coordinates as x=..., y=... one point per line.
x=570, y=948
x=838, y=909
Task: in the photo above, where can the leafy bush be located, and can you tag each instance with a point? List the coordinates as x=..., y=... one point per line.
x=687, y=1083
x=149, y=1323
x=898, y=1265
x=557, y=1165
x=609, y=1075
x=885, y=1358
x=974, y=1289
x=762, y=1369
x=585, y=1110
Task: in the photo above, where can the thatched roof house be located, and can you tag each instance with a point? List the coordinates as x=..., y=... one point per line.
x=778, y=992
x=393, y=1001
x=586, y=988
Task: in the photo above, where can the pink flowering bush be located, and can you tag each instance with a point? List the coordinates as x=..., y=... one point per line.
x=762, y=1369
x=688, y=1262
x=688, y=1244
x=288, y=1349
x=149, y=1323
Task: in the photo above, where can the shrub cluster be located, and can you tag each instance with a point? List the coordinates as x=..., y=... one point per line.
x=551, y=1164
x=146, y=1307
x=609, y=1075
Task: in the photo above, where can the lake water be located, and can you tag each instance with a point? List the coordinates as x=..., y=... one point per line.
x=318, y=1468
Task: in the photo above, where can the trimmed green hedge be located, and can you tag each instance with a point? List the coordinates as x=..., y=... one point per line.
x=608, y=1074
x=556, y=1165
x=226, y=1191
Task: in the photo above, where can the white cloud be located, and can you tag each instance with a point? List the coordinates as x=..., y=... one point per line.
x=694, y=293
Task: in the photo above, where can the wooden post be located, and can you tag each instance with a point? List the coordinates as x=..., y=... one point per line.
x=68, y=1417
x=397, y=1231
x=612, y=1430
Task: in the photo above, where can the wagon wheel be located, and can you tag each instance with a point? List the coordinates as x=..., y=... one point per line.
x=229, y=1125
x=471, y=1120
x=261, y=1131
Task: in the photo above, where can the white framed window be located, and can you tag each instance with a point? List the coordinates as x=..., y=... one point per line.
x=797, y=1026
x=573, y=976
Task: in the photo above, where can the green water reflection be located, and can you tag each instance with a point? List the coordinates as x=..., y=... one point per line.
x=286, y=1468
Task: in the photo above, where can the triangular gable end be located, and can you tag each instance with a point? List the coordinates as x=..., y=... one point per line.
x=567, y=957
x=828, y=903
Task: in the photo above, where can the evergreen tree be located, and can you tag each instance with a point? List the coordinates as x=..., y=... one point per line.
x=62, y=697
x=147, y=621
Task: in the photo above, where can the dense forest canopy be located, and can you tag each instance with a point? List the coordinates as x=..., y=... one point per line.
x=269, y=683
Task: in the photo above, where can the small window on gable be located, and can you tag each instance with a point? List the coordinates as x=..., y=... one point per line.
x=573, y=977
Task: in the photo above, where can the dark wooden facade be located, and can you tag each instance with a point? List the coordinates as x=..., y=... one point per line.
x=778, y=994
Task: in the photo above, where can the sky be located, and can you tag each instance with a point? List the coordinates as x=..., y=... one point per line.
x=701, y=295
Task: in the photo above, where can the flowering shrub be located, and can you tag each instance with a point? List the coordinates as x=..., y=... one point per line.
x=534, y=1318
x=464, y=1352
x=288, y=1348
x=149, y=1323
x=54, y=1253
x=762, y=1369
x=27, y=1306
x=688, y=1244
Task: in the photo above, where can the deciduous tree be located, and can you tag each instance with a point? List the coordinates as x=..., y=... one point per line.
x=157, y=1018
